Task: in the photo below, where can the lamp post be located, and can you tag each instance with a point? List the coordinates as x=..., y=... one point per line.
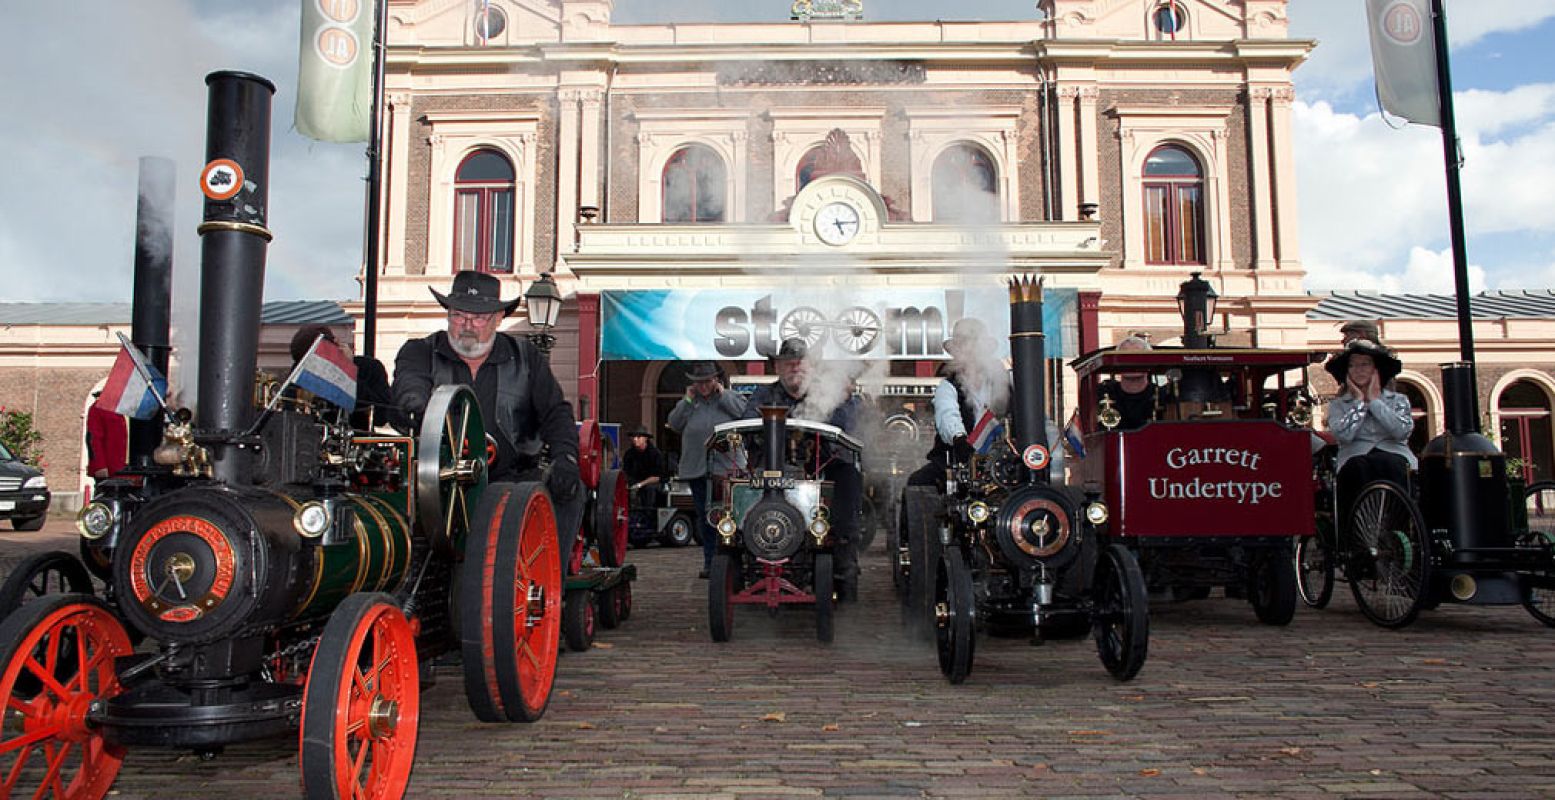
x=1196, y=304
x=543, y=302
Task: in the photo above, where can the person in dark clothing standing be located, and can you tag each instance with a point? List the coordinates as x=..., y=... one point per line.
x=1133, y=394
x=373, y=402
x=644, y=467
x=706, y=404
x=521, y=402
x=791, y=390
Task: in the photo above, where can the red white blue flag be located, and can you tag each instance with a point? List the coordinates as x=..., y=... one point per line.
x=987, y=431
x=135, y=388
x=328, y=372
x=1074, y=435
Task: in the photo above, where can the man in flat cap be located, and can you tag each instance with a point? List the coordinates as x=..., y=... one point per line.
x=1359, y=329
x=521, y=403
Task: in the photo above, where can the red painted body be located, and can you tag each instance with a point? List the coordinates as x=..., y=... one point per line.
x=772, y=589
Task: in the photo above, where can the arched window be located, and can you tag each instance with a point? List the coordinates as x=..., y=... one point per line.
x=1419, y=411
x=1169, y=20
x=483, y=213
x=805, y=172
x=965, y=186
x=1174, y=207
x=695, y=184
x=1526, y=432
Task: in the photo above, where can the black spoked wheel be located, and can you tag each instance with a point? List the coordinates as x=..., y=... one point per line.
x=955, y=616
x=723, y=581
x=1539, y=600
x=578, y=619
x=825, y=601
x=923, y=552
x=1272, y=586
x=1314, y=568
x=1389, y=559
x=40, y=575
x=1122, y=622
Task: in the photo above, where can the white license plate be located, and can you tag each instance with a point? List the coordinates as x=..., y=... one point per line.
x=7, y=505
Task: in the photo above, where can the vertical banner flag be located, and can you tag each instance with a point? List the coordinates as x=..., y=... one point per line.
x=334, y=75
x=1403, y=55
x=135, y=388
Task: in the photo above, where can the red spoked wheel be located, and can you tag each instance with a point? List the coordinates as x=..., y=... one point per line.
x=611, y=518
x=510, y=604
x=64, y=647
x=362, y=705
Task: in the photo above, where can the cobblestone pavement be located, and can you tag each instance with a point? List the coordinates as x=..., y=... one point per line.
x=1459, y=705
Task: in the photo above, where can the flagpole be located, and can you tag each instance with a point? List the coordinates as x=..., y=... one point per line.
x=124, y=341
x=370, y=255
x=1451, y=154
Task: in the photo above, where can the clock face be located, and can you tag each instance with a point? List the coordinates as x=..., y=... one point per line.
x=837, y=223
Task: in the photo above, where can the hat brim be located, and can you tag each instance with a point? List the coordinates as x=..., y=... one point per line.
x=1388, y=367
x=474, y=304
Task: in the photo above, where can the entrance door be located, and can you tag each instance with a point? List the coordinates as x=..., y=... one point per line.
x=1526, y=430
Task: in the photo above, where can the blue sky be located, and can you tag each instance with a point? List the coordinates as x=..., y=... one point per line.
x=1373, y=210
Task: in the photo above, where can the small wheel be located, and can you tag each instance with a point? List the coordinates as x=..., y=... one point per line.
x=806, y=323
x=362, y=704
x=611, y=522
x=722, y=583
x=40, y=575
x=29, y=523
x=856, y=329
x=923, y=553
x=450, y=466
x=64, y=645
x=578, y=619
x=609, y=615
x=1314, y=566
x=508, y=602
x=1390, y=559
x=955, y=616
x=1122, y=623
x=825, y=599
x=1272, y=586
x=1540, y=498
x=680, y=531
x=623, y=600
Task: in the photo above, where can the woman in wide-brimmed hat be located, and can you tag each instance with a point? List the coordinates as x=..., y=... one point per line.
x=1371, y=423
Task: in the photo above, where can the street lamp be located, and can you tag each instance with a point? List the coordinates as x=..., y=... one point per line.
x=1196, y=304
x=543, y=302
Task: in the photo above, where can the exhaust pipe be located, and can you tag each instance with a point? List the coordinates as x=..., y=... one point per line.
x=1028, y=352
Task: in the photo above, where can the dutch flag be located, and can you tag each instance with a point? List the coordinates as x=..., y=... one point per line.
x=135, y=388
x=1075, y=436
x=327, y=372
x=987, y=431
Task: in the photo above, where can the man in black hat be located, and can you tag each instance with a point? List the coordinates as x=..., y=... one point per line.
x=791, y=389
x=643, y=465
x=1371, y=422
x=707, y=403
x=521, y=403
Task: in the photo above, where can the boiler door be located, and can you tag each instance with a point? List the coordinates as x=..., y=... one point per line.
x=773, y=529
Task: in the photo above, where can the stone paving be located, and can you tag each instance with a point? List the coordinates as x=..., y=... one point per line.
x=1459, y=705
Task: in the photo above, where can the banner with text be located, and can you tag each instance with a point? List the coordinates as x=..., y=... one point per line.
x=669, y=324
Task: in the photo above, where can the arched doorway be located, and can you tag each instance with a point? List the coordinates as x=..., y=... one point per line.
x=1419, y=409
x=1526, y=430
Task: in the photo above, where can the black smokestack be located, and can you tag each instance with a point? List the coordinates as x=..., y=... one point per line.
x=1028, y=352
x=151, y=317
x=1460, y=397
x=774, y=429
x=233, y=241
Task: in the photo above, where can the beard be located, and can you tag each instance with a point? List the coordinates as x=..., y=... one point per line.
x=470, y=346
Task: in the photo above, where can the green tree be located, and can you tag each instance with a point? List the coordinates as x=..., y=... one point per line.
x=20, y=436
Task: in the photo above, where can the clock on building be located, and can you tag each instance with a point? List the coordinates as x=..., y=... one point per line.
x=837, y=223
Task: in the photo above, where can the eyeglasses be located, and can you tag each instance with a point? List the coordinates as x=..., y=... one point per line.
x=471, y=318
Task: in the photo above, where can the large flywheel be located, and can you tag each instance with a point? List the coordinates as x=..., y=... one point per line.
x=451, y=466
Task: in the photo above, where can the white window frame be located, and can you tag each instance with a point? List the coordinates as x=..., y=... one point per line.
x=663, y=132
x=455, y=135
x=932, y=131
x=1200, y=131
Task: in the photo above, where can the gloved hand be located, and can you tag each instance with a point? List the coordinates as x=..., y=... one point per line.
x=563, y=480
x=961, y=449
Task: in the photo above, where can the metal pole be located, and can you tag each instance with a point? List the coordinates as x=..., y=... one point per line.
x=1450, y=152
x=370, y=255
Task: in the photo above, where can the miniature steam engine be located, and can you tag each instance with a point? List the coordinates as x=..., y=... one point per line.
x=292, y=574
x=773, y=518
x=1005, y=548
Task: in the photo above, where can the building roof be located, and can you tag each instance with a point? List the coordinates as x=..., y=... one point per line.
x=279, y=312
x=1485, y=305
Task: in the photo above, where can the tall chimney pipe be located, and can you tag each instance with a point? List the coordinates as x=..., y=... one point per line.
x=1461, y=398
x=774, y=430
x=1028, y=353
x=152, y=310
x=233, y=242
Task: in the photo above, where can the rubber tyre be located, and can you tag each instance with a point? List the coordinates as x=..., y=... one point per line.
x=1272, y=586
x=615, y=605
x=1313, y=560
x=1540, y=498
x=1122, y=622
x=578, y=618
x=722, y=582
x=29, y=523
x=923, y=548
x=679, y=531
x=74, y=621
x=825, y=599
x=367, y=642
x=1390, y=565
x=611, y=520
x=41, y=575
x=508, y=600
x=955, y=631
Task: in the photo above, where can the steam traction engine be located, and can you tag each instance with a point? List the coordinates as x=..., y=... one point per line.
x=292, y=575
x=1005, y=548
x=773, y=521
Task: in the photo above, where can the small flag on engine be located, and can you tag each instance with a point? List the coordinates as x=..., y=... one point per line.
x=135, y=388
x=1074, y=436
x=328, y=373
x=989, y=429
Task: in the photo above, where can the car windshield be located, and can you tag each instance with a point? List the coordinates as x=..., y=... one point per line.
x=5, y=454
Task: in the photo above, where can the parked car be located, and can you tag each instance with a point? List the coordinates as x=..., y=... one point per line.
x=24, y=492
x=670, y=521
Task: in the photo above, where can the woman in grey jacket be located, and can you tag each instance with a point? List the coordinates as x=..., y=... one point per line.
x=707, y=403
x=1372, y=424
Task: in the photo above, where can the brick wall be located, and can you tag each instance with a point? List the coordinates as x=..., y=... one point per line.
x=57, y=399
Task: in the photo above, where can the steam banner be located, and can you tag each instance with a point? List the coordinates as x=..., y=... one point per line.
x=667, y=325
